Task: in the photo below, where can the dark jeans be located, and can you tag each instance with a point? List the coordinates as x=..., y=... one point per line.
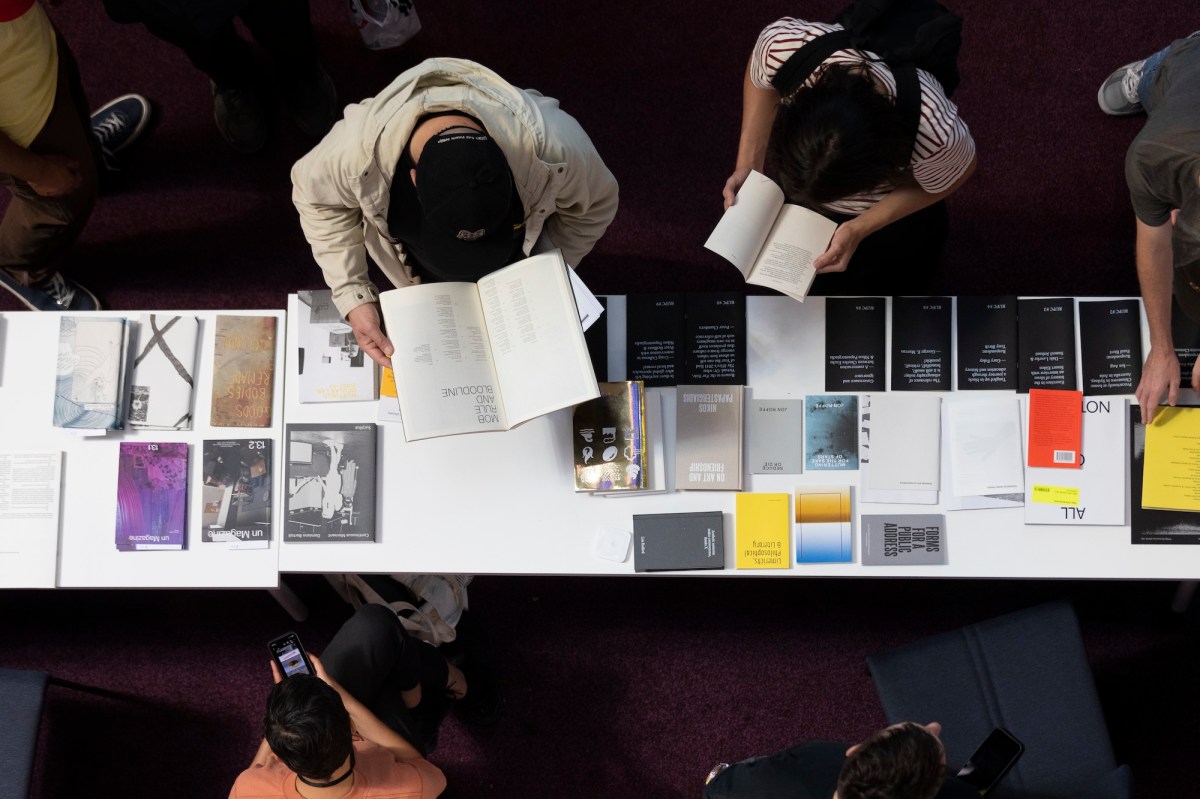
x=205, y=33
x=374, y=658
x=900, y=259
x=37, y=231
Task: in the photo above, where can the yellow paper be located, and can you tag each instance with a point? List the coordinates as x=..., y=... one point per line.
x=1171, y=474
x=387, y=384
x=1056, y=495
x=762, y=525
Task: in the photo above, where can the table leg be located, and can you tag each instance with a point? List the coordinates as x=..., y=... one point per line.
x=1183, y=595
x=288, y=600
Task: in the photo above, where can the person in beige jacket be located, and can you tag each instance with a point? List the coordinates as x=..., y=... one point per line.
x=448, y=174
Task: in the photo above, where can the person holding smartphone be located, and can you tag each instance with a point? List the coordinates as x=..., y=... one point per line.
x=320, y=741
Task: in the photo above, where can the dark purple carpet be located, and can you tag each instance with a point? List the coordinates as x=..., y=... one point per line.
x=638, y=693
x=657, y=86
x=612, y=687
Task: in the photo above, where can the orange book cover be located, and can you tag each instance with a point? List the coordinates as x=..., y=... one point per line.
x=1055, y=428
x=243, y=371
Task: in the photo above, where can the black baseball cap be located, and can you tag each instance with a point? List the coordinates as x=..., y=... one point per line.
x=469, y=206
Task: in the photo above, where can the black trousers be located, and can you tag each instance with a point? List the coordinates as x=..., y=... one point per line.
x=374, y=658
x=900, y=259
x=205, y=33
x=35, y=231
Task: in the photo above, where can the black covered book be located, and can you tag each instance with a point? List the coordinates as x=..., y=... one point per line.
x=596, y=338
x=921, y=344
x=987, y=343
x=855, y=344
x=678, y=541
x=1185, y=334
x=1046, y=343
x=1110, y=346
x=696, y=338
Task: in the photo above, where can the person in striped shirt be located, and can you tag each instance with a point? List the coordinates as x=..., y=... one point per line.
x=840, y=148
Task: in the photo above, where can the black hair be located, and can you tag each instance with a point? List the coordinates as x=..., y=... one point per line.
x=901, y=762
x=307, y=726
x=839, y=137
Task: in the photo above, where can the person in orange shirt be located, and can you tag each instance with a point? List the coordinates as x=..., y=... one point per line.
x=319, y=741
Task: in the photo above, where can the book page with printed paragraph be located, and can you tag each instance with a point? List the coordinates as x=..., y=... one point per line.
x=745, y=225
x=445, y=379
x=541, y=358
x=29, y=511
x=1171, y=476
x=798, y=237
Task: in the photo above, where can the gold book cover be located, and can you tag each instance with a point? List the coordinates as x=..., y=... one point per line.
x=243, y=371
x=609, y=439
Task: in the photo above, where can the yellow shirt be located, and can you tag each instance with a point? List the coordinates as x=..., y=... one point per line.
x=28, y=74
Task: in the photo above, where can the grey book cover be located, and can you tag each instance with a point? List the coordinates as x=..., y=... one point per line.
x=774, y=443
x=238, y=480
x=708, y=437
x=330, y=482
x=903, y=539
x=678, y=541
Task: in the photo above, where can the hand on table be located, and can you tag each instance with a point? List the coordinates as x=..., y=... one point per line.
x=59, y=176
x=841, y=248
x=729, y=193
x=1160, y=374
x=368, y=332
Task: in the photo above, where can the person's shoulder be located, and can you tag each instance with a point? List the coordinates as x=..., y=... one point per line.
x=787, y=29
x=387, y=776
x=261, y=782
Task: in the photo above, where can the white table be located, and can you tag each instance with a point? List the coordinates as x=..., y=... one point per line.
x=503, y=503
x=87, y=553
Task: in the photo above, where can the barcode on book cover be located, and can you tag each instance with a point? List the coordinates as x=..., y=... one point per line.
x=1064, y=456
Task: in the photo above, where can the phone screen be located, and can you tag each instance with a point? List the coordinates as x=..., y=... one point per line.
x=994, y=757
x=289, y=655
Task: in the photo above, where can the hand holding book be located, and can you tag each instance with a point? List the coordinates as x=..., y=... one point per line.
x=365, y=321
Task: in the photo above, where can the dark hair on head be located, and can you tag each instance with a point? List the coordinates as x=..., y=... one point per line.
x=307, y=726
x=839, y=137
x=901, y=762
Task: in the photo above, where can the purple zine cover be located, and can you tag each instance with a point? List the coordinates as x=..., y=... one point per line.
x=152, y=496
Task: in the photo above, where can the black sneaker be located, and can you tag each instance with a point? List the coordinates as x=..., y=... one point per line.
x=312, y=103
x=118, y=123
x=241, y=117
x=55, y=293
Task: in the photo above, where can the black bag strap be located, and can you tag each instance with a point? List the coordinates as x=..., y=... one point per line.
x=805, y=60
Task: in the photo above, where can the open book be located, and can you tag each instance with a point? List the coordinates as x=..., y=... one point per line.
x=772, y=243
x=474, y=357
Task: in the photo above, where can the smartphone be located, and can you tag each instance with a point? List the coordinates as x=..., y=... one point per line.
x=290, y=656
x=991, y=761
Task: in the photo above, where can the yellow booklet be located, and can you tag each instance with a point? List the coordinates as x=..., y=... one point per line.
x=1171, y=475
x=761, y=529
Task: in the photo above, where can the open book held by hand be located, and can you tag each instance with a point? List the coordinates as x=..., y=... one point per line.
x=488, y=356
x=772, y=243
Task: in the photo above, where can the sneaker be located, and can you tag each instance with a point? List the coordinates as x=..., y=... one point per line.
x=312, y=103
x=118, y=123
x=1118, y=94
x=240, y=117
x=55, y=293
